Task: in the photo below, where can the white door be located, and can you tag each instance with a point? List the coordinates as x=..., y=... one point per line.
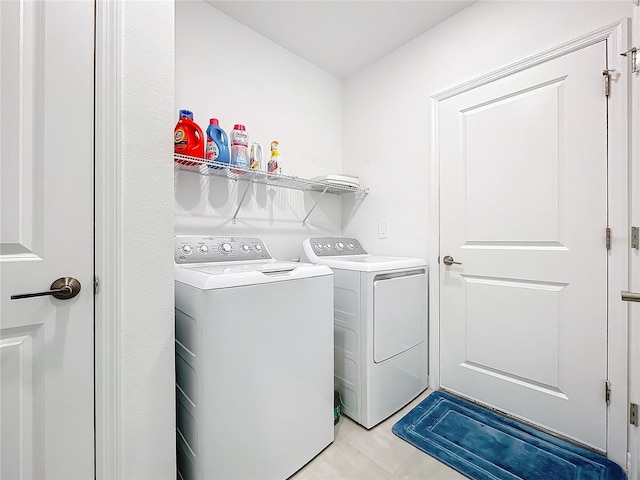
x=523, y=207
x=46, y=232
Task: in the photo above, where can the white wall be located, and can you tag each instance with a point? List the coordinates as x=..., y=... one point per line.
x=146, y=393
x=225, y=70
x=386, y=106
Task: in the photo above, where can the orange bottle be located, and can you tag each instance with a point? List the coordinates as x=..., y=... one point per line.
x=188, y=138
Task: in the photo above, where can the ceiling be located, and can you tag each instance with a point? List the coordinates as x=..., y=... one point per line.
x=341, y=37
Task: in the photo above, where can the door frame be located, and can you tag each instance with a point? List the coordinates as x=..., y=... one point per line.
x=107, y=238
x=619, y=163
x=633, y=457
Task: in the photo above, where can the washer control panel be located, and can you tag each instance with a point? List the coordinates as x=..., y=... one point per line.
x=332, y=246
x=200, y=249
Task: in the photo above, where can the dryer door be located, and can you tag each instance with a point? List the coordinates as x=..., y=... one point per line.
x=399, y=308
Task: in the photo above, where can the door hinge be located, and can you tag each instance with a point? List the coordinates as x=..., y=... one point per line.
x=634, y=58
x=607, y=82
x=633, y=414
x=607, y=392
x=635, y=237
x=607, y=240
x=96, y=285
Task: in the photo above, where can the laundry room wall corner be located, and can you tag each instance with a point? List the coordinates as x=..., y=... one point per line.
x=262, y=90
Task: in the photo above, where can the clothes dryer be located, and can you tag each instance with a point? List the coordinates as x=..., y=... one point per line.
x=380, y=325
x=254, y=363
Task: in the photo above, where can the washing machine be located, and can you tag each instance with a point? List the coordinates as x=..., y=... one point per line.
x=380, y=325
x=254, y=360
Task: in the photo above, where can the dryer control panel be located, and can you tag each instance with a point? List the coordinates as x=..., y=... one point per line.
x=201, y=249
x=332, y=246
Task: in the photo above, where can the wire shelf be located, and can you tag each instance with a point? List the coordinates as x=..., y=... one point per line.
x=217, y=169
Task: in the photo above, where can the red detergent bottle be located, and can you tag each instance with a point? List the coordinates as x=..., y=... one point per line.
x=188, y=138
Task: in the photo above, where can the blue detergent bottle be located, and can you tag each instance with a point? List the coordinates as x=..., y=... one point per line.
x=217, y=147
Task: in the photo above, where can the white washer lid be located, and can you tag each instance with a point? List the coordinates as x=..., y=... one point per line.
x=210, y=276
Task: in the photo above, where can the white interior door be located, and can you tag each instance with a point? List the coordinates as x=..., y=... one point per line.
x=523, y=207
x=46, y=232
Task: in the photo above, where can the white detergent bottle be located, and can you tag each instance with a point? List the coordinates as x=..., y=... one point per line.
x=239, y=148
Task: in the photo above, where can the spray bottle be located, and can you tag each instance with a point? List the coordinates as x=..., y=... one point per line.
x=274, y=162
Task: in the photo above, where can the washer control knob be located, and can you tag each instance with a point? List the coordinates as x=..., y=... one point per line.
x=186, y=249
x=340, y=246
x=225, y=248
x=327, y=246
x=318, y=246
x=244, y=247
x=203, y=249
x=350, y=246
x=257, y=247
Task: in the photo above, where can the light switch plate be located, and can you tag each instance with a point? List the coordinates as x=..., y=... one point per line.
x=383, y=230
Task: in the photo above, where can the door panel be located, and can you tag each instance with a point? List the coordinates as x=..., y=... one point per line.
x=21, y=418
x=511, y=171
x=21, y=209
x=525, y=350
x=46, y=232
x=523, y=165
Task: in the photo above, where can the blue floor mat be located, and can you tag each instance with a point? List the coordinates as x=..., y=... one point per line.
x=483, y=445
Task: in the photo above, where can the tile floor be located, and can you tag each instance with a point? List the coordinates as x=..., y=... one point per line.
x=376, y=454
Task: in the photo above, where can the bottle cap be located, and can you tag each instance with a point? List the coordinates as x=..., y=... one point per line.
x=186, y=113
x=237, y=126
x=213, y=121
